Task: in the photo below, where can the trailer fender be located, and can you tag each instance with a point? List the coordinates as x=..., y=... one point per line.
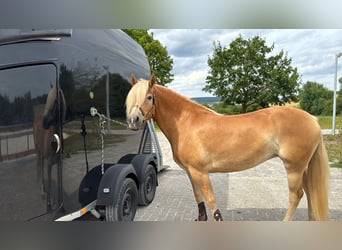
x=111, y=182
x=145, y=166
x=141, y=161
x=127, y=158
x=89, y=185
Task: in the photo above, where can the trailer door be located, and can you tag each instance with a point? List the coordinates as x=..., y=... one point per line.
x=30, y=133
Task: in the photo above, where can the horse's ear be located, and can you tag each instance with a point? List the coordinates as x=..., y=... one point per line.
x=133, y=80
x=152, y=80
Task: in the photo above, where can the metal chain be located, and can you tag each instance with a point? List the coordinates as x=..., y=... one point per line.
x=103, y=118
x=93, y=112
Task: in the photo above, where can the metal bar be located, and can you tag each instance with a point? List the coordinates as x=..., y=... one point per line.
x=155, y=141
x=334, y=100
x=79, y=213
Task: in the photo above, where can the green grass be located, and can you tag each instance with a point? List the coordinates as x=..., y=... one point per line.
x=336, y=165
x=326, y=121
x=333, y=143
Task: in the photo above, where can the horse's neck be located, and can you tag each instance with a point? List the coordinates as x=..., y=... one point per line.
x=173, y=110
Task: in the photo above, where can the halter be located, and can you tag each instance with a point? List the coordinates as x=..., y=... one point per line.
x=150, y=114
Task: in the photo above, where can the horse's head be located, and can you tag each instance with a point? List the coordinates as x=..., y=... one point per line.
x=50, y=115
x=140, y=102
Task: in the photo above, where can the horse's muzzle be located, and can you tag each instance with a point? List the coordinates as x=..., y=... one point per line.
x=135, y=121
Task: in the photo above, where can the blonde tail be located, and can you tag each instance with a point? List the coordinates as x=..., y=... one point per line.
x=317, y=181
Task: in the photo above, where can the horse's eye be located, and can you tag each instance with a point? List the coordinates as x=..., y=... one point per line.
x=149, y=98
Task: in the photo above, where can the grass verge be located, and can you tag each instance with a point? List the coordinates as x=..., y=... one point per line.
x=333, y=144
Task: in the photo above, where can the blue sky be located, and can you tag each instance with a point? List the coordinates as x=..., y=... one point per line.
x=312, y=51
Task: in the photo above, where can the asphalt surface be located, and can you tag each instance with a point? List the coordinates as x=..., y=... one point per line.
x=257, y=194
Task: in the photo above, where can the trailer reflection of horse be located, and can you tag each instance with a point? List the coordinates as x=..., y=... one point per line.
x=44, y=127
x=204, y=142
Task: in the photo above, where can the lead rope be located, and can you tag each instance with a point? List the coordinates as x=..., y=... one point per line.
x=103, y=118
x=94, y=112
x=102, y=133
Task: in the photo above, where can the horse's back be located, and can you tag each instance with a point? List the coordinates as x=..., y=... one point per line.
x=294, y=122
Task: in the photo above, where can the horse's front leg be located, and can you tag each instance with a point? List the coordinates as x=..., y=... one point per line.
x=41, y=170
x=202, y=185
x=202, y=213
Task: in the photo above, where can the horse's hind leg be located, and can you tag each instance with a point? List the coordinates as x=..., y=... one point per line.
x=295, y=192
x=203, y=182
x=306, y=189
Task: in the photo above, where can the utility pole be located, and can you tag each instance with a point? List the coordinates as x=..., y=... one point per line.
x=107, y=98
x=334, y=101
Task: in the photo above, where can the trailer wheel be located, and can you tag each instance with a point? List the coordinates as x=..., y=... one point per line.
x=148, y=187
x=126, y=204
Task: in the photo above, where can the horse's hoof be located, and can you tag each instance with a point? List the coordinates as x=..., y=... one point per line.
x=202, y=214
x=218, y=216
x=202, y=218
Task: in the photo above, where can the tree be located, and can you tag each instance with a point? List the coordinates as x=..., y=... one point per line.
x=339, y=99
x=316, y=99
x=246, y=74
x=160, y=62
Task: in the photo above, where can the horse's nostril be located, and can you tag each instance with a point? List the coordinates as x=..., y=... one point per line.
x=137, y=119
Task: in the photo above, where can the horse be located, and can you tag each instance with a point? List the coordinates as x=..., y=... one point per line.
x=45, y=125
x=203, y=142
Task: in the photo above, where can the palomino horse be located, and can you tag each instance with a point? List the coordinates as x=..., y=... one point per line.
x=44, y=127
x=204, y=142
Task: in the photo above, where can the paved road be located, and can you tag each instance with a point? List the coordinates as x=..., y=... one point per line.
x=257, y=194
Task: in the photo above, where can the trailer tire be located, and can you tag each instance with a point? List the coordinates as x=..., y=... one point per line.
x=148, y=185
x=125, y=206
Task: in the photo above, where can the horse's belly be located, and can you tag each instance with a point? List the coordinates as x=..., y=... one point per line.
x=234, y=166
x=239, y=159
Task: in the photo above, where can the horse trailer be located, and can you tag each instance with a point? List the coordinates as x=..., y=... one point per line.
x=65, y=151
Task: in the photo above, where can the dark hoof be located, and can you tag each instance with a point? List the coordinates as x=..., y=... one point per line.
x=202, y=213
x=218, y=216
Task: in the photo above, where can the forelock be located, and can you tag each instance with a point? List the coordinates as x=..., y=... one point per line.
x=136, y=96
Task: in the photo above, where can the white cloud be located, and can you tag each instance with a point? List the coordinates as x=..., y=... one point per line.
x=312, y=52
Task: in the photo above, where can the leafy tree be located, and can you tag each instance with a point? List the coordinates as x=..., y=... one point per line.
x=339, y=99
x=160, y=62
x=246, y=74
x=316, y=99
